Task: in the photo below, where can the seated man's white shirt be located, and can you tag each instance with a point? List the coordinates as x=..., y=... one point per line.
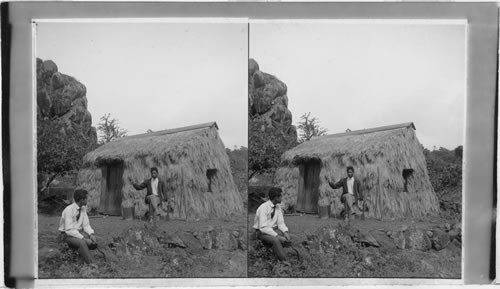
x=265, y=223
x=69, y=223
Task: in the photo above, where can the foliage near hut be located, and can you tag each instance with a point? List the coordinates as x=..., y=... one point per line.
x=309, y=127
x=192, y=161
x=109, y=129
x=388, y=161
x=445, y=172
x=239, y=168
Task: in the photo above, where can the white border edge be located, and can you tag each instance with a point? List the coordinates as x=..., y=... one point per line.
x=151, y=20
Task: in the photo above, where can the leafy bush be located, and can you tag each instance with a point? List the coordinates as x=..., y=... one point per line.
x=59, y=151
x=445, y=171
x=266, y=147
x=239, y=166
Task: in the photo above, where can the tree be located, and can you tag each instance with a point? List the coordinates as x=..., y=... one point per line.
x=109, y=129
x=309, y=127
x=459, y=151
x=239, y=167
x=266, y=148
x=59, y=152
x=445, y=171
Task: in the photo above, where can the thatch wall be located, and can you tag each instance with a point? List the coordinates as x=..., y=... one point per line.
x=182, y=159
x=379, y=158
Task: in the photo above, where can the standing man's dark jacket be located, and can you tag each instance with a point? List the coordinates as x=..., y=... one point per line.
x=356, y=187
x=162, y=191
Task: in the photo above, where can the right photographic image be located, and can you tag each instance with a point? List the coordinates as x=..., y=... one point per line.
x=356, y=133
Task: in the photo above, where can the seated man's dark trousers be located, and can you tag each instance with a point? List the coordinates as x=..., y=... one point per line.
x=80, y=244
x=273, y=242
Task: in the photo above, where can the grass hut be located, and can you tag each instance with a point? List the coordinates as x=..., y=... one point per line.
x=192, y=161
x=388, y=161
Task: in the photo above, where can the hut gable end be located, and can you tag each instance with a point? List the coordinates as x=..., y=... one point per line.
x=184, y=157
x=388, y=161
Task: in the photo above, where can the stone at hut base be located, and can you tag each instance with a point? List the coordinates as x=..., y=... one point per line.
x=440, y=239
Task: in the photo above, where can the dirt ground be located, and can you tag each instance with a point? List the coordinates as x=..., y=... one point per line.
x=56, y=261
x=399, y=263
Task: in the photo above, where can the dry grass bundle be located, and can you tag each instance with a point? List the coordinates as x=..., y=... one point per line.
x=379, y=157
x=182, y=157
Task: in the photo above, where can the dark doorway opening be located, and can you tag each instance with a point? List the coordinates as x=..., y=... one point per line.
x=308, y=189
x=211, y=173
x=407, y=173
x=111, y=189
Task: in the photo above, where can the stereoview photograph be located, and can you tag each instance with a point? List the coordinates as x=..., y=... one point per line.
x=141, y=148
x=356, y=133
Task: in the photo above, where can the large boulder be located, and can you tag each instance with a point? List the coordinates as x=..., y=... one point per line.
x=224, y=239
x=398, y=237
x=253, y=67
x=242, y=239
x=172, y=240
x=440, y=239
x=417, y=239
x=456, y=232
x=365, y=238
x=330, y=237
x=205, y=239
x=453, y=234
x=427, y=267
x=191, y=242
x=268, y=110
x=62, y=100
x=384, y=240
x=137, y=240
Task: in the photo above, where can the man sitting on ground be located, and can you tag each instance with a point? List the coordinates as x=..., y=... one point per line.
x=74, y=226
x=270, y=225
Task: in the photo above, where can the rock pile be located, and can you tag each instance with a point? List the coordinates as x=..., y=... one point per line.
x=150, y=241
x=331, y=237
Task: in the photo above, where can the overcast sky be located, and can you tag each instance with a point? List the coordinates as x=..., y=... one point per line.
x=364, y=75
x=157, y=75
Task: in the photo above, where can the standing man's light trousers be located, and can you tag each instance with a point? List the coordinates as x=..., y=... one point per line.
x=349, y=205
x=153, y=201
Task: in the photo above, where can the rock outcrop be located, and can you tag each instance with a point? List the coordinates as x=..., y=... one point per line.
x=268, y=103
x=62, y=100
x=270, y=121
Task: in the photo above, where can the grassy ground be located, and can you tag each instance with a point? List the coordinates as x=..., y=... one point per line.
x=167, y=262
x=353, y=261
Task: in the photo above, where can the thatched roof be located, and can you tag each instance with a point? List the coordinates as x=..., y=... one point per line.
x=154, y=143
x=351, y=142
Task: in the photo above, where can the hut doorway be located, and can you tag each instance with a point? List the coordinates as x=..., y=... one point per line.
x=308, y=190
x=111, y=189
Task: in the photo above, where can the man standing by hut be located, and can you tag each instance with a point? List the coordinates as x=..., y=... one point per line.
x=269, y=224
x=351, y=193
x=74, y=226
x=156, y=193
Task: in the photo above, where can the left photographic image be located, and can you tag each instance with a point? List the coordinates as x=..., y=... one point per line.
x=141, y=146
